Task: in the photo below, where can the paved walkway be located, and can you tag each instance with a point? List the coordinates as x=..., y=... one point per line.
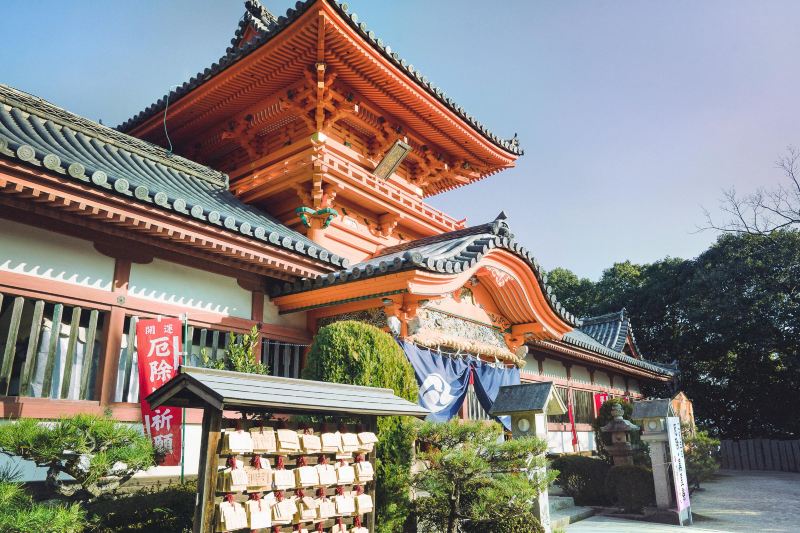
x=763, y=502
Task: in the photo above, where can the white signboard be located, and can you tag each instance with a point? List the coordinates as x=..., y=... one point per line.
x=679, y=469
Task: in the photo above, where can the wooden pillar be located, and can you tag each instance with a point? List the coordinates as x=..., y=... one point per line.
x=108, y=363
x=257, y=315
x=207, y=471
x=540, y=360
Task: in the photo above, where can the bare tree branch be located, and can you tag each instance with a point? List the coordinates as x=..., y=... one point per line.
x=763, y=211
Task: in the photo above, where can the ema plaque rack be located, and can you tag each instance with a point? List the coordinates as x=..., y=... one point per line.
x=265, y=467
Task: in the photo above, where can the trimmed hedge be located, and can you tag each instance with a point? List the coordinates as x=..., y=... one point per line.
x=582, y=478
x=630, y=487
x=360, y=354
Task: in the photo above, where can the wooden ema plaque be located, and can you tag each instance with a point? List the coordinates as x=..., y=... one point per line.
x=220, y=459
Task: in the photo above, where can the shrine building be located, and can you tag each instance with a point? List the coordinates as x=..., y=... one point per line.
x=289, y=194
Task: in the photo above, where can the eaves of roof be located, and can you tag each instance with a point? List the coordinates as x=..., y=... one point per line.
x=40, y=134
x=449, y=253
x=236, y=53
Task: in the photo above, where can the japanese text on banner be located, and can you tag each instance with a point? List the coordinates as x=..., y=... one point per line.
x=158, y=344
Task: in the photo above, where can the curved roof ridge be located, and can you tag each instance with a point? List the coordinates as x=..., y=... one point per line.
x=235, y=53
x=469, y=247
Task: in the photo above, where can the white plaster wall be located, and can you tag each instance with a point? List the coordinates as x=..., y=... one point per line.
x=554, y=369
x=619, y=382
x=634, y=386
x=580, y=374
x=36, y=252
x=601, y=379
x=291, y=320
x=171, y=283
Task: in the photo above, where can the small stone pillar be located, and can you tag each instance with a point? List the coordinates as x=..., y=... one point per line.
x=621, y=449
x=528, y=405
x=652, y=416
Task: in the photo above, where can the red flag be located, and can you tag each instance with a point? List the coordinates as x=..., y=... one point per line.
x=158, y=344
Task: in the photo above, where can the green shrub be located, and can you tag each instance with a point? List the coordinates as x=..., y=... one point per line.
x=473, y=481
x=582, y=478
x=630, y=487
x=98, y=452
x=150, y=510
x=360, y=354
x=19, y=514
x=239, y=355
x=504, y=505
x=700, y=452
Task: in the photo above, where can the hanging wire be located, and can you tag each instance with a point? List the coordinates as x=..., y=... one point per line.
x=166, y=107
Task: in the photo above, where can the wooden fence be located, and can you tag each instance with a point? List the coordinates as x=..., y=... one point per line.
x=761, y=454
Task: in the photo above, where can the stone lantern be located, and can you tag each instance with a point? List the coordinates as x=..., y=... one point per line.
x=652, y=415
x=528, y=405
x=621, y=449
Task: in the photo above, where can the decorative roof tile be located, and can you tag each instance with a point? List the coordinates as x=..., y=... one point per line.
x=266, y=28
x=39, y=133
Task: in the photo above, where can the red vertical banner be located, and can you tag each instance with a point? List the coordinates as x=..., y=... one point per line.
x=158, y=344
x=599, y=399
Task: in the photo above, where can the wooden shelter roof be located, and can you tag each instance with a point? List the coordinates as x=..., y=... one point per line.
x=37, y=133
x=536, y=397
x=221, y=389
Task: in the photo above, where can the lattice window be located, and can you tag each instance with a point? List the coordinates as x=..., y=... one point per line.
x=475, y=410
x=283, y=359
x=39, y=363
x=583, y=406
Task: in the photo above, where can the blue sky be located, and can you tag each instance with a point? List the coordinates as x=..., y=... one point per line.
x=633, y=114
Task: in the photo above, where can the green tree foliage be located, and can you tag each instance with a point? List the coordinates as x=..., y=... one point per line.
x=630, y=487
x=360, y=354
x=472, y=480
x=700, y=452
x=19, y=513
x=239, y=355
x=96, y=451
x=574, y=293
x=731, y=319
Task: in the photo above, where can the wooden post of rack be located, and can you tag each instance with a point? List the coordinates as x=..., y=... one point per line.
x=207, y=474
x=372, y=425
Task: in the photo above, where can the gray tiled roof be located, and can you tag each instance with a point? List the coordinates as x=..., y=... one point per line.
x=39, y=133
x=266, y=31
x=611, y=330
x=580, y=339
x=451, y=252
